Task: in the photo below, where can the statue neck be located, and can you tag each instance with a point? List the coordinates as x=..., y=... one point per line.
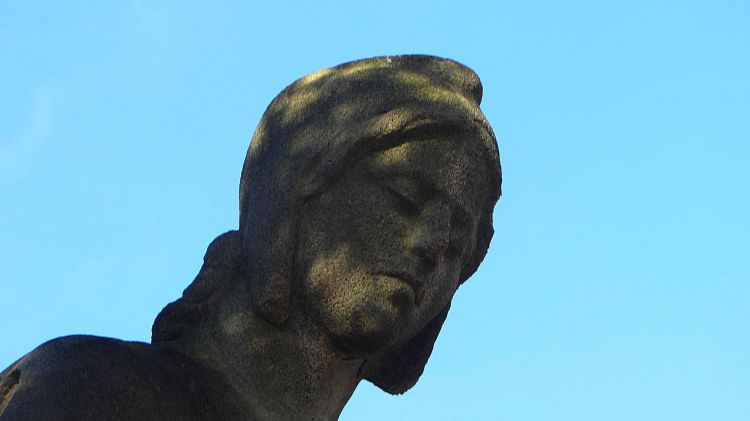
x=282, y=374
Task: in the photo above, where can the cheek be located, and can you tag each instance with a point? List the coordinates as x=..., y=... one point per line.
x=360, y=309
x=346, y=236
x=333, y=288
x=354, y=225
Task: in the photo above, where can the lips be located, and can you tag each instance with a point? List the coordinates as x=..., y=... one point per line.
x=408, y=279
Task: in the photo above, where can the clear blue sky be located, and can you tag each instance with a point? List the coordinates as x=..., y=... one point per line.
x=617, y=286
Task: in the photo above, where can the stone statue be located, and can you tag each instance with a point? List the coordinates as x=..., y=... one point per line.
x=366, y=199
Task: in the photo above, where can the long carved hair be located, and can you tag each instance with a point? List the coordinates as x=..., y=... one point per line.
x=310, y=134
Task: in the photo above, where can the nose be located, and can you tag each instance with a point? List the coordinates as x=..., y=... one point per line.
x=430, y=238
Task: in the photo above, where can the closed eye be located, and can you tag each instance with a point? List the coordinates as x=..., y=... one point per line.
x=406, y=202
x=407, y=193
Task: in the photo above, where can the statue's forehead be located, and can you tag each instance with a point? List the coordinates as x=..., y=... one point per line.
x=452, y=165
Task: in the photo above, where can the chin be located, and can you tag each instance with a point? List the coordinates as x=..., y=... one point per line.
x=370, y=329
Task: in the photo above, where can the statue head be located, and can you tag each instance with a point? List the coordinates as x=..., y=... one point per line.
x=366, y=199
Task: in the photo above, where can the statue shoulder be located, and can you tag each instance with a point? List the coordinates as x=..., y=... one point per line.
x=95, y=378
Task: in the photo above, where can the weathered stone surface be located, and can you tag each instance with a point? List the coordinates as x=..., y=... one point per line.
x=366, y=199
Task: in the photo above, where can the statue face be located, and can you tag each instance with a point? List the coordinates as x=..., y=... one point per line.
x=381, y=251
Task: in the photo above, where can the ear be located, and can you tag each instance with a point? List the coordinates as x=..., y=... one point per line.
x=268, y=252
x=267, y=268
x=271, y=296
x=397, y=371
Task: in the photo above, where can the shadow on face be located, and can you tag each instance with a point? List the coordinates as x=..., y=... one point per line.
x=366, y=197
x=381, y=251
x=323, y=124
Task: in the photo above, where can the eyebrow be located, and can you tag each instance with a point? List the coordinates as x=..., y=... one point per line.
x=420, y=130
